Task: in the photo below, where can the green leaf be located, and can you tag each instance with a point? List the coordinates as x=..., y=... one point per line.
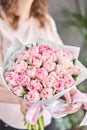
x=74, y=76
x=36, y=44
x=74, y=61
x=26, y=47
x=15, y=60
x=25, y=89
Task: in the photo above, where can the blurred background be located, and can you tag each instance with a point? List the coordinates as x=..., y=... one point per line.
x=71, y=21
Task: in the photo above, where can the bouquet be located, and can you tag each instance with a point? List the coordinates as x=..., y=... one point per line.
x=41, y=73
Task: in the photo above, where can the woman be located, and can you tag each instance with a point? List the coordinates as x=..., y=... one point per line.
x=26, y=20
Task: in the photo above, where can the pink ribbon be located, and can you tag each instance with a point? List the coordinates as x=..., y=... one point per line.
x=57, y=108
x=78, y=96
x=33, y=113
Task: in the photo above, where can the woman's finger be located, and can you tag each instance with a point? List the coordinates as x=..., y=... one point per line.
x=73, y=108
x=68, y=97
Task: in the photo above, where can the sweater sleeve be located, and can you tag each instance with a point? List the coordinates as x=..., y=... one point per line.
x=3, y=48
x=54, y=31
x=1, y=55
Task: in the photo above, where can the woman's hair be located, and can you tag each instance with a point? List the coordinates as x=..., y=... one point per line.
x=38, y=10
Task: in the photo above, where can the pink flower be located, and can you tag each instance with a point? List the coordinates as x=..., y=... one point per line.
x=68, y=54
x=34, y=85
x=41, y=74
x=20, y=66
x=18, y=91
x=24, y=55
x=49, y=66
x=59, y=85
x=66, y=62
x=77, y=70
x=31, y=71
x=37, y=61
x=69, y=81
x=32, y=96
x=22, y=79
x=11, y=78
x=60, y=70
x=70, y=71
x=58, y=53
x=33, y=50
x=46, y=93
x=53, y=73
x=43, y=48
x=48, y=55
x=48, y=81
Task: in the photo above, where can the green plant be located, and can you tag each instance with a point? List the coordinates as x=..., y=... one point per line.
x=77, y=19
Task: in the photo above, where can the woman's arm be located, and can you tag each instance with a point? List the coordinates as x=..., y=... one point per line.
x=7, y=97
x=5, y=94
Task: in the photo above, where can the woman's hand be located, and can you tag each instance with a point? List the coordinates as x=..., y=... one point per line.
x=72, y=108
x=24, y=106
